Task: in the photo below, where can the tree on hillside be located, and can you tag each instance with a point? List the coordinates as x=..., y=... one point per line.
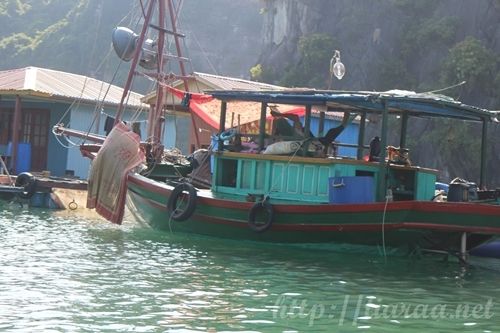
x=472, y=62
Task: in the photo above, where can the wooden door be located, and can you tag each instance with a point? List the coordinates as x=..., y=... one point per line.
x=35, y=130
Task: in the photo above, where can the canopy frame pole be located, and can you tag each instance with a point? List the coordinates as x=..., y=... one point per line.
x=382, y=175
x=262, y=125
x=484, y=148
x=361, y=136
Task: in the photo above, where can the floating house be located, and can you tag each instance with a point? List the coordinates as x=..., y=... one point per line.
x=33, y=100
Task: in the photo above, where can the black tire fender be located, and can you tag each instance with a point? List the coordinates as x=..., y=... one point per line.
x=268, y=208
x=28, y=182
x=182, y=214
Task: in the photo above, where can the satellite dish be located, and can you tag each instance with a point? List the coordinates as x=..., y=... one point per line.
x=124, y=42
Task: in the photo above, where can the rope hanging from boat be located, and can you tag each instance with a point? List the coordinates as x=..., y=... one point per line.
x=72, y=144
x=383, y=228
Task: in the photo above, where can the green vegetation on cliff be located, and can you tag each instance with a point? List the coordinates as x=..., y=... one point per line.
x=75, y=35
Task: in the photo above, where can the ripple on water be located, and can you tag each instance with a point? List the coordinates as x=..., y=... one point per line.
x=73, y=274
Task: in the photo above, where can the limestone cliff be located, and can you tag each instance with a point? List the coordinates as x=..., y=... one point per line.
x=416, y=45
x=409, y=39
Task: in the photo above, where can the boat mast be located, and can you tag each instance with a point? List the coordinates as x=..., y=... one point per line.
x=155, y=125
x=156, y=121
x=135, y=60
x=173, y=19
x=181, y=63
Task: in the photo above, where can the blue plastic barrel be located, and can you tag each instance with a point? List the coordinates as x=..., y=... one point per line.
x=442, y=187
x=23, y=156
x=345, y=190
x=491, y=250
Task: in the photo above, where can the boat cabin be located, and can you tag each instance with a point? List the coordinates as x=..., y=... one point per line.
x=305, y=173
x=312, y=179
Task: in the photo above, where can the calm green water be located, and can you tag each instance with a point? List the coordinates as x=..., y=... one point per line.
x=69, y=274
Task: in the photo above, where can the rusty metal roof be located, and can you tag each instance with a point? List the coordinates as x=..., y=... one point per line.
x=48, y=83
x=198, y=82
x=231, y=83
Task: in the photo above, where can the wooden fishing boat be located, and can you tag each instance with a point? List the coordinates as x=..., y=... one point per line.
x=303, y=199
x=301, y=195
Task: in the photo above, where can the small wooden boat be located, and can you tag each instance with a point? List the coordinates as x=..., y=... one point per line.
x=44, y=191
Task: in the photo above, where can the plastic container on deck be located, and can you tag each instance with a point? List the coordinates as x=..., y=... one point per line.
x=442, y=187
x=345, y=190
x=462, y=192
x=458, y=192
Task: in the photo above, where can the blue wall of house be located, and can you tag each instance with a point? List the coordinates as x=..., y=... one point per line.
x=57, y=154
x=177, y=132
x=81, y=119
x=348, y=135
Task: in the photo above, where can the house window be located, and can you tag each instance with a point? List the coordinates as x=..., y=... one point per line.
x=6, y=117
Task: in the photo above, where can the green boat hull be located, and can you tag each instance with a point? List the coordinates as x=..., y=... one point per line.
x=411, y=224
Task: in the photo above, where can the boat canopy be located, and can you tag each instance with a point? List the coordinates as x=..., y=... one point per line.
x=397, y=102
x=394, y=102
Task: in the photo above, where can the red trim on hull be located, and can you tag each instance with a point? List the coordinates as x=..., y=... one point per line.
x=165, y=190
x=439, y=227
x=457, y=207
x=416, y=206
x=358, y=227
x=147, y=184
x=387, y=227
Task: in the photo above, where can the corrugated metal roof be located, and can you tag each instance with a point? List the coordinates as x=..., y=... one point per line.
x=56, y=84
x=198, y=82
x=231, y=83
